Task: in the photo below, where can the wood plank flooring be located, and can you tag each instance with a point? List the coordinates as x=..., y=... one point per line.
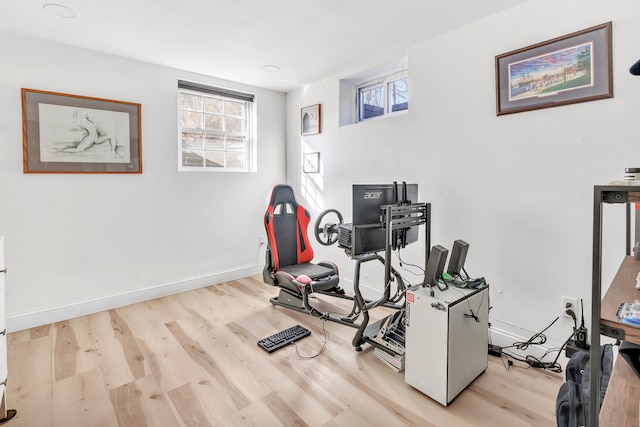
x=191, y=359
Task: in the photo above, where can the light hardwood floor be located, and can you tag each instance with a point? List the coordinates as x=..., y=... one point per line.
x=191, y=359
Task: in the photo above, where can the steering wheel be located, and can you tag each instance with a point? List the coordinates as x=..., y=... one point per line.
x=327, y=234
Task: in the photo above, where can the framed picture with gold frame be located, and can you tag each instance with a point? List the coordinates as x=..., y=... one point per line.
x=65, y=133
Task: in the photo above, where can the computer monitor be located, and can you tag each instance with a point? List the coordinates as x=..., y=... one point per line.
x=367, y=233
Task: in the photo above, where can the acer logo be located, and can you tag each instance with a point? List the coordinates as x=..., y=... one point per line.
x=372, y=195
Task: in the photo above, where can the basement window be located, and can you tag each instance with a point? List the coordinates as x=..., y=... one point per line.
x=215, y=129
x=382, y=90
x=385, y=95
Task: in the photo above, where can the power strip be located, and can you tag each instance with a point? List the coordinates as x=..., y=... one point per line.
x=495, y=350
x=573, y=348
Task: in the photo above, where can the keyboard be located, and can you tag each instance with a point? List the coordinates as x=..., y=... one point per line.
x=283, y=338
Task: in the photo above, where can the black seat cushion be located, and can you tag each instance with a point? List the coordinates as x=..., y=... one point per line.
x=314, y=271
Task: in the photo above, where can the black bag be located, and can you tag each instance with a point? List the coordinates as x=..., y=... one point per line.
x=631, y=353
x=569, y=409
x=572, y=403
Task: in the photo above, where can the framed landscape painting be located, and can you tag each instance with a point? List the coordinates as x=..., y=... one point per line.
x=566, y=70
x=65, y=133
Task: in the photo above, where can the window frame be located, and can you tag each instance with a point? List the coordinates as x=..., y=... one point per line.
x=248, y=131
x=384, y=82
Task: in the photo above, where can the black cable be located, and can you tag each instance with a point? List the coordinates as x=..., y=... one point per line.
x=540, y=335
x=325, y=341
x=560, y=351
x=535, y=362
x=403, y=263
x=509, y=363
x=473, y=313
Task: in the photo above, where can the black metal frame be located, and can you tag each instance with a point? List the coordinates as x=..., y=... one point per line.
x=395, y=218
x=613, y=193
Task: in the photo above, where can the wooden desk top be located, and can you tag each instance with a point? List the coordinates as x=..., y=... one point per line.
x=621, y=402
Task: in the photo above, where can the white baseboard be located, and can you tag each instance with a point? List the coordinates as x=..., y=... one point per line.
x=44, y=316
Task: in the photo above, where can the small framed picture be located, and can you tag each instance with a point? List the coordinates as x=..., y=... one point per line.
x=65, y=133
x=310, y=120
x=311, y=163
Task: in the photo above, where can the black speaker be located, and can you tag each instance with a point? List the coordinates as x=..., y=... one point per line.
x=458, y=257
x=635, y=69
x=435, y=265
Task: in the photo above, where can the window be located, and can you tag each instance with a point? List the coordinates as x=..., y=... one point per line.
x=381, y=90
x=215, y=129
x=386, y=95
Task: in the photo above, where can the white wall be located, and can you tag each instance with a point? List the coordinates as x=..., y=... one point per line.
x=518, y=188
x=82, y=243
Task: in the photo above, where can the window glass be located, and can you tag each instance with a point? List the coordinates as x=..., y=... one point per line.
x=190, y=119
x=214, y=142
x=213, y=122
x=232, y=108
x=233, y=124
x=215, y=129
x=214, y=159
x=191, y=102
x=236, y=143
x=191, y=140
x=385, y=95
x=371, y=102
x=399, y=94
x=235, y=160
x=213, y=105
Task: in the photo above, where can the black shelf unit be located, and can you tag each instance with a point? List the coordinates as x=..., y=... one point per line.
x=623, y=286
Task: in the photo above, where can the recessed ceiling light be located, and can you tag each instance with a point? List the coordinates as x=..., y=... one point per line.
x=271, y=68
x=59, y=10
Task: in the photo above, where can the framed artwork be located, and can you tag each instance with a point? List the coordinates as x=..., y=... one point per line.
x=310, y=120
x=311, y=163
x=566, y=70
x=64, y=133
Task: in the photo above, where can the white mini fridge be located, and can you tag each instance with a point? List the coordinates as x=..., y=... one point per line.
x=446, y=340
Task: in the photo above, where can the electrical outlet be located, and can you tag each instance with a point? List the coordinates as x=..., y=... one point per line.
x=573, y=304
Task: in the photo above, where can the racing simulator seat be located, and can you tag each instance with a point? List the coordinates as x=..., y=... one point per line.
x=289, y=254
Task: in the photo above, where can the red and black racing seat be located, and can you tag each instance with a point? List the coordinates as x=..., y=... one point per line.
x=289, y=253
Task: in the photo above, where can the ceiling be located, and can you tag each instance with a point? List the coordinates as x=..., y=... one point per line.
x=234, y=39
